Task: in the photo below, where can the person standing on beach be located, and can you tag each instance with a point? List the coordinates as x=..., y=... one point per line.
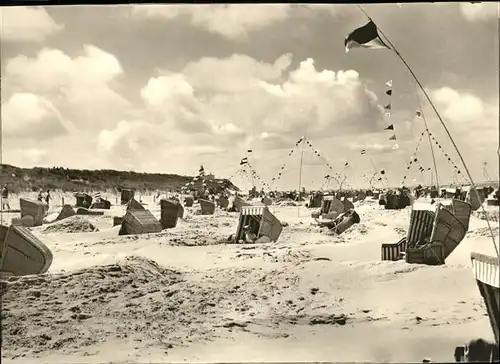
x=48, y=197
x=5, y=198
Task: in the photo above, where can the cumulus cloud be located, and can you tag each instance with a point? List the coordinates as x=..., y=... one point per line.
x=129, y=143
x=478, y=12
x=466, y=111
x=231, y=21
x=26, y=115
x=473, y=124
x=262, y=102
x=27, y=24
x=80, y=87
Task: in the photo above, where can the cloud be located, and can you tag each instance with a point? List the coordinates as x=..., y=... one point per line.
x=231, y=21
x=473, y=124
x=80, y=87
x=26, y=115
x=478, y=12
x=130, y=143
x=466, y=111
x=27, y=24
x=237, y=73
x=238, y=100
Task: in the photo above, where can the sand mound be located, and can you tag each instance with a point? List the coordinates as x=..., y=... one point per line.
x=73, y=224
x=143, y=302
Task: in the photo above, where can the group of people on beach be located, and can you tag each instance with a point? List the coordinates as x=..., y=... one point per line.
x=41, y=197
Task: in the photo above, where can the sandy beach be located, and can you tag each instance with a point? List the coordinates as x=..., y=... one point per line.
x=186, y=294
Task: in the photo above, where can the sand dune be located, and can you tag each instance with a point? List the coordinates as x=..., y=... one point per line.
x=188, y=294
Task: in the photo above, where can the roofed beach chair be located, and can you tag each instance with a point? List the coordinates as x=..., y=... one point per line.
x=22, y=253
x=260, y=221
x=487, y=275
x=448, y=230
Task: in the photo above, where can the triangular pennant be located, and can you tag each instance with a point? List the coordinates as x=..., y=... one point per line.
x=395, y=146
x=389, y=92
x=393, y=137
x=418, y=114
x=387, y=107
x=389, y=83
x=390, y=127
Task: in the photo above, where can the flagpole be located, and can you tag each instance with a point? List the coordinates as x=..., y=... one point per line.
x=301, y=160
x=300, y=171
x=251, y=174
x=473, y=185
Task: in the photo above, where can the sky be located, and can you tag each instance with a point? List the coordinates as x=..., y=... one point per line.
x=167, y=88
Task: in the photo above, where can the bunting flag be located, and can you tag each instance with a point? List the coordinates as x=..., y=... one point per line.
x=387, y=107
x=363, y=151
x=389, y=83
x=390, y=127
x=395, y=146
x=389, y=92
x=393, y=137
x=446, y=155
x=337, y=175
x=282, y=168
x=382, y=172
x=365, y=37
x=249, y=151
x=202, y=171
x=244, y=161
x=418, y=114
x=413, y=158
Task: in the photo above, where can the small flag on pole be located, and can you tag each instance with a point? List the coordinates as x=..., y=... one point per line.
x=390, y=127
x=365, y=37
x=244, y=161
x=393, y=137
x=389, y=92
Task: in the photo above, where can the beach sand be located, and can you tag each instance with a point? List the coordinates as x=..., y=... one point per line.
x=186, y=294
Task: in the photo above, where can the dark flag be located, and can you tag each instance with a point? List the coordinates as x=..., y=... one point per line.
x=244, y=161
x=390, y=127
x=365, y=37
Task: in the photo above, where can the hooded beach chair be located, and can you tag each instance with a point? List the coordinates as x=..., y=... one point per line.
x=448, y=230
x=126, y=195
x=22, y=253
x=83, y=200
x=207, y=207
x=170, y=211
x=434, y=232
x=487, y=274
x=139, y=222
x=34, y=209
x=260, y=221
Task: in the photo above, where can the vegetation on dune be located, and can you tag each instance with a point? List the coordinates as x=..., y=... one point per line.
x=71, y=180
